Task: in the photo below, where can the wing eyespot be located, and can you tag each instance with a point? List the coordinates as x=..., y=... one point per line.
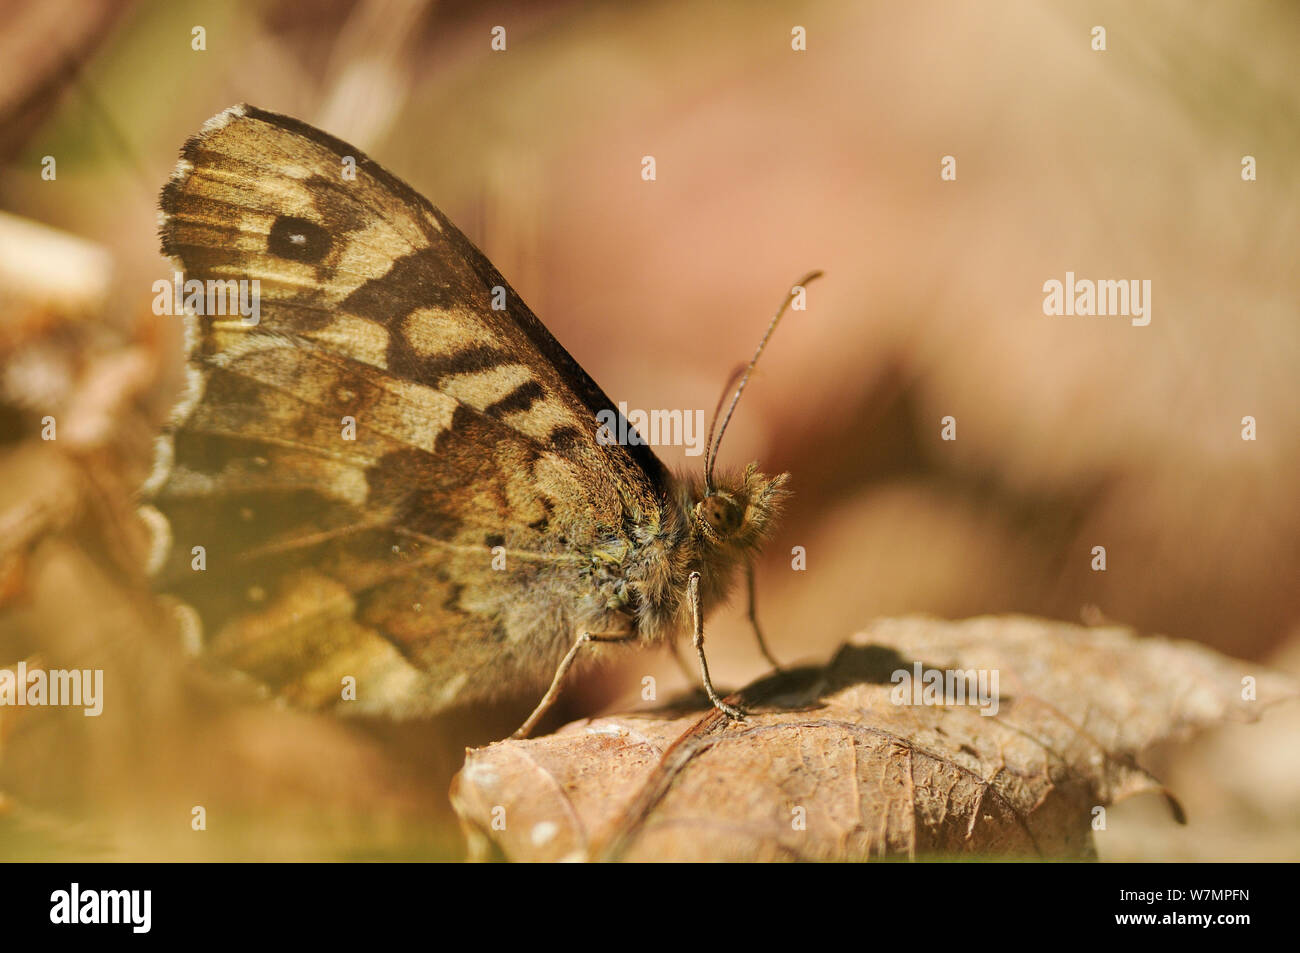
x=298, y=239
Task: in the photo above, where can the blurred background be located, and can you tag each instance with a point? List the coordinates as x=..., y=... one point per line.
x=1072, y=432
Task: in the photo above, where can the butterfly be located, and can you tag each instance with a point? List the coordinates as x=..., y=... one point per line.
x=393, y=481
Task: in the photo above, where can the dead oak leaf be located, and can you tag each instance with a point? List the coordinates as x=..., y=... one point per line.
x=832, y=764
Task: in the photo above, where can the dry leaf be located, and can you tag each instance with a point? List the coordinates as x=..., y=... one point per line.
x=829, y=767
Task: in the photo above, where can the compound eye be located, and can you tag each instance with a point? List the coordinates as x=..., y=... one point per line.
x=721, y=514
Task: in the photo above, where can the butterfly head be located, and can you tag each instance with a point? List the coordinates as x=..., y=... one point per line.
x=740, y=510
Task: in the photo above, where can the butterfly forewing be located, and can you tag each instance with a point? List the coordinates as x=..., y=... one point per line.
x=385, y=477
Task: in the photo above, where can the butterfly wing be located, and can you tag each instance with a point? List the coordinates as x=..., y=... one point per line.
x=385, y=476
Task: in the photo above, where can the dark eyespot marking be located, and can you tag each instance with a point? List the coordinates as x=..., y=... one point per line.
x=298, y=240
x=493, y=540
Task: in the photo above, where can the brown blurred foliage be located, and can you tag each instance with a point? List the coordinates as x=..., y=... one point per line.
x=1072, y=431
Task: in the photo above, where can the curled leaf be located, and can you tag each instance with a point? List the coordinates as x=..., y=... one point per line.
x=1026, y=727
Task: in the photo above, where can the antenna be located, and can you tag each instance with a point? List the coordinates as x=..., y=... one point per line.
x=711, y=449
x=717, y=412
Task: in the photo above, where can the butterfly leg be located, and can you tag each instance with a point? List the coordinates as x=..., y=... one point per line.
x=729, y=710
x=566, y=663
x=753, y=621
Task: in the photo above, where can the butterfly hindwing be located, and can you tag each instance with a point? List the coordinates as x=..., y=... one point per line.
x=388, y=478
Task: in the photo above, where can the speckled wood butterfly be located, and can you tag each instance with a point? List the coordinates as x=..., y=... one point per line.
x=393, y=476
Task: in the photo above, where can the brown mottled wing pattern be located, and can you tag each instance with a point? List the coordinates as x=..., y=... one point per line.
x=326, y=554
